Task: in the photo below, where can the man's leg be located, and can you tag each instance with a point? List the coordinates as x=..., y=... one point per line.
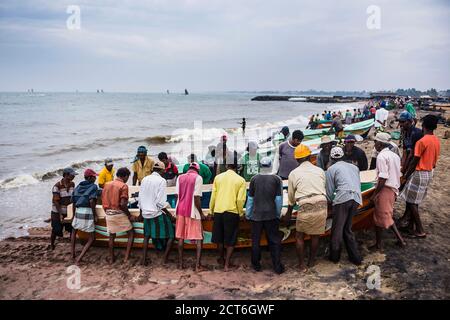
x=274, y=239
x=198, y=263
x=337, y=229
x=256, y=250
x=417, y=221
x=112, y=236
x=144, y=250
x=73, y=237
x=300, y=246
x=86, y=246
x=168, y=249
x=129, y=244
x=400, y=240
x=313, y=250
x=349, y=238
x=180, y=253
x=229, y=253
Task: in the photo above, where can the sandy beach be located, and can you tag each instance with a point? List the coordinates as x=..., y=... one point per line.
x=29, y=270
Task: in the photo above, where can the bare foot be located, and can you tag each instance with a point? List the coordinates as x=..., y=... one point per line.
x=375, y=248
x=401, y=243
x=111, y=260
x=200, y=268
x=302, y=268
x=311, y=263
x=181, y=266
x=145, y=262
x=221, y=261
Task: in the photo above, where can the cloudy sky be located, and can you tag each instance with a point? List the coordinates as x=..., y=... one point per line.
x=221, y=45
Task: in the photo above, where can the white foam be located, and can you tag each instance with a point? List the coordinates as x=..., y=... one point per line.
x=19, y=181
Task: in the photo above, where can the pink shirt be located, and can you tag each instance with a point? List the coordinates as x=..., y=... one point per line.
x=388, y=167
x=188, y=185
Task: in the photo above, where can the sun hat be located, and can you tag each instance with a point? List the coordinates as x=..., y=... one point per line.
x=383, y=137
x=336, y=153
x=301, y=151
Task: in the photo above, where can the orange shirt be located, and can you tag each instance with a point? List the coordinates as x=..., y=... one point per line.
x=428, y=149
x=112, y=193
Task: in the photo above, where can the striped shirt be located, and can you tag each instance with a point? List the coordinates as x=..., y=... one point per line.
x=62, y=195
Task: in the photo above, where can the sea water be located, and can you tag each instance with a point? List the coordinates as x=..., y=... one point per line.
x=42, y=133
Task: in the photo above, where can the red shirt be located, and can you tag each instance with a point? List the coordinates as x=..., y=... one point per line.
x=112, y=193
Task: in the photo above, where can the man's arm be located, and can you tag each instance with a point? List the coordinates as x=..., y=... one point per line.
x=329, y=185
x=242, y=195
x=212, y=201
x=363, y=164
x=276, y=161
x=198, y=205
x=134, y=178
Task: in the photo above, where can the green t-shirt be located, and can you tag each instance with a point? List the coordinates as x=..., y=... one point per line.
x=250, y=166
x=205, y=173
x=410, y=108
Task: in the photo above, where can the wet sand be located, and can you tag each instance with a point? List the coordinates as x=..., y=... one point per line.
x=29, y=270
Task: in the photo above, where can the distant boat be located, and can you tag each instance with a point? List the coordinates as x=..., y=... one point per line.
x=168, y=92
x=186, y=92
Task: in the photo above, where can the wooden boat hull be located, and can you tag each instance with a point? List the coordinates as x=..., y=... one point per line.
x=359, y=128
x=362, y=220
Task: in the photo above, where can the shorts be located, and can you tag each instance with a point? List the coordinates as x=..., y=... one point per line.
x=57, y=226
x=225, y=228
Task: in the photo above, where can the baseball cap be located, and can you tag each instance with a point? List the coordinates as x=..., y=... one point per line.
x=108, y=161
x=405, y=116
x=301, y=151
x=336, y=153
x=90, y=173
x=142, y=149
x=350, y=138
x=69, y=171
x=194, y=165
x=159, y=165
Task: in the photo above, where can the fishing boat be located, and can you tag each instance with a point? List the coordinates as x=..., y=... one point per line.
x=362, y=220
x=361, y=128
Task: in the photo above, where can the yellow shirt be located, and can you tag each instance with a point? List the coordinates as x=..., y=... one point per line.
x=228, y=193
x=143, y=170
x=105, y=176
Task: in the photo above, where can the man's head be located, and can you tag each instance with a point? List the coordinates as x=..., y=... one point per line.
x=232, y=163
x=285, y=131
x=90, y=175
x=192, y=158
x=405, y=120
x=326, y=144
x=109, y=164
x=297, y=137
x=302, y=153
x=194, y=166
x=162, y=156
x=142, y=152
x=252, y=147
x=69, y=174
x=337, y=153
x=159, y=167
x=224, y=138
x=123, y=174
x=429, y=122
x=382, y=140
x=349, y=143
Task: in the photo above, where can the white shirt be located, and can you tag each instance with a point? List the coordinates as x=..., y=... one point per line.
x=388, y=167
x=152, y=195
x=382, y=116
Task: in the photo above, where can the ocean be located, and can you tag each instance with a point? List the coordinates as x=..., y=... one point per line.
x=42, y=133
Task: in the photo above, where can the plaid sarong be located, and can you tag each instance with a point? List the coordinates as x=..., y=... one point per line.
x=416, y=187
x=83, y=220
x=159, y=227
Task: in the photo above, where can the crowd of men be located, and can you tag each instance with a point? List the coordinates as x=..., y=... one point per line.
x=314, y=184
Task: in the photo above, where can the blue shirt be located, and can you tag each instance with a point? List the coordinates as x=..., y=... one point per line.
x=342, y=179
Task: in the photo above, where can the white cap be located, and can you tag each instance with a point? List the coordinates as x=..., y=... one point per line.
x=336, y=153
